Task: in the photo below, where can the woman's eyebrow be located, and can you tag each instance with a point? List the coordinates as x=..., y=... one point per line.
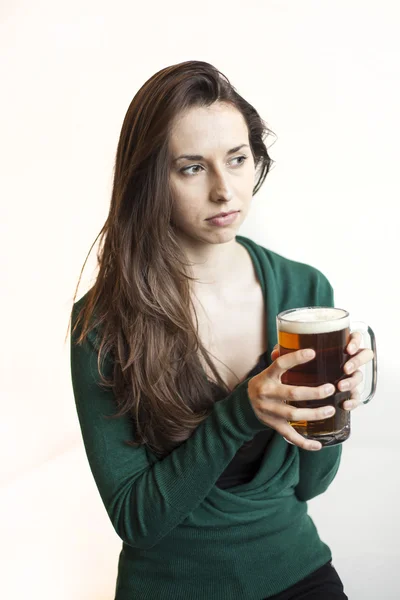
x=199, y=157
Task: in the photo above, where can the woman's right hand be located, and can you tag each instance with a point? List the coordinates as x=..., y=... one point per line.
x=268, y=396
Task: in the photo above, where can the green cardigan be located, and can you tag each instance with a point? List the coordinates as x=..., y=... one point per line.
x=183, y=537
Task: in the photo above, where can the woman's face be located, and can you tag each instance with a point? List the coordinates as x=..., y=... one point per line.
x=215, y=181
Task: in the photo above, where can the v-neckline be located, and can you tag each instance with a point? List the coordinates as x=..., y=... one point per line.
x=266, y=280
x=270, y=303
x=260, y=358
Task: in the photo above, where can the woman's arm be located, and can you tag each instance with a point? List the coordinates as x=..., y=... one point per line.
x=317, y=471
x=146, y=501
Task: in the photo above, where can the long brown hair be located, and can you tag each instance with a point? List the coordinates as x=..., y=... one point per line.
x=140, y=304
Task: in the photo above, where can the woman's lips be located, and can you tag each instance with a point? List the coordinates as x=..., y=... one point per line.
x=221, y=221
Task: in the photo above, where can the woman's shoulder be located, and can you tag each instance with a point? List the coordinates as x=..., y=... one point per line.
x=282, y=266
x=78, y=306
x=93, y=334
x=294, y=283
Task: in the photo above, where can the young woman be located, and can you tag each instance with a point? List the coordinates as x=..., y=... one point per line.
x=175, y=370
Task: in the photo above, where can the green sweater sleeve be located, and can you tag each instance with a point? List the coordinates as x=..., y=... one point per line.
x=145, y=499
x=318, y=469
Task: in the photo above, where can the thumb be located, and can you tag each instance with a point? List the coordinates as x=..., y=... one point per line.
x=275, y=352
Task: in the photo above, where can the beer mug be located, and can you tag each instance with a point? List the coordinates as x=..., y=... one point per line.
x=327, y=331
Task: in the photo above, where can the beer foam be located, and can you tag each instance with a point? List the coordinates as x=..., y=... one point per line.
x=314, y=320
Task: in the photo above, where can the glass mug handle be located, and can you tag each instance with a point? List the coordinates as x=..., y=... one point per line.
x=369, y=342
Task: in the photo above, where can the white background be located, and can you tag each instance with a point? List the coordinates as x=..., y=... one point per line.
x=325, y=77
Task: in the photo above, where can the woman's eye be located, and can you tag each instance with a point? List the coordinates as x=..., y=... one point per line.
x=187, y=169
x=244, y=159
x=190, y=173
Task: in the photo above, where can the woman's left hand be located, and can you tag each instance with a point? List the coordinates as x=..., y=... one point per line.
x=358, y=358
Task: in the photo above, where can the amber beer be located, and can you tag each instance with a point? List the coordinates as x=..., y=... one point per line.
x=327, y=331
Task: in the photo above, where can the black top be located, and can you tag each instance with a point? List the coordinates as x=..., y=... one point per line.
x=247, y=459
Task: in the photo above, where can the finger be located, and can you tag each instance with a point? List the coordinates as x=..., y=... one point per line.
x=354, y=402
x=309, y=414
x=360, y=359
x=275, y=348
x=290, y=360
x=294, y=413
x=350, y=383
x=299, y=393
x=293, y=437
x=274, y=354
x=354, y=342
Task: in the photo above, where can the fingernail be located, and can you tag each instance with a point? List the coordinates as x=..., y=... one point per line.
x=329, y=389
x=344, y=385
x=352, y=347
x=316, y=446
x=329, y=410
x=350, y=367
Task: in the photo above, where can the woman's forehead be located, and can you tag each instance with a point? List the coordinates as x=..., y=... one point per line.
x=202, y=128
